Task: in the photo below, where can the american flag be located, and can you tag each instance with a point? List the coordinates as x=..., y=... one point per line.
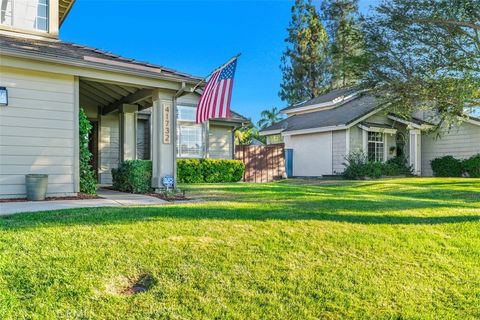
x=216, y=97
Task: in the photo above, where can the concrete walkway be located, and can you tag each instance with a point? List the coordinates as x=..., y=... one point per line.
x=109, y=198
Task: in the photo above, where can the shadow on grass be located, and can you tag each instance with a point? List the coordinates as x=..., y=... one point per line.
x=390, y=203
x=106, y=216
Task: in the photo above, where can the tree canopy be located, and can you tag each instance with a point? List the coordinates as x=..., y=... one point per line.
x=425, y=55
x=305, y=61
x=347, y=49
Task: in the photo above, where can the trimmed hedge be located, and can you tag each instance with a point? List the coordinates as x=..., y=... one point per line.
x=449, y=166
x=133, y=176
x=471, y=166
x=446, y=166
x=209, y=170
x=359, y=167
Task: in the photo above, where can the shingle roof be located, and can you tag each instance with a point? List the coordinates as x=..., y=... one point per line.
x=327, y=97
x=235, y=117
x=88, y=55
x=341, y=115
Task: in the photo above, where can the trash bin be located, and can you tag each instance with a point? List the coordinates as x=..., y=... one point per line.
x=36, y=186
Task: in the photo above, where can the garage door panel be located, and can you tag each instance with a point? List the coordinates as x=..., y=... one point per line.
x=312, y=154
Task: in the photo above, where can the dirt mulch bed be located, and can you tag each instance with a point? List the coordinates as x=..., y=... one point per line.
x=80, y=196
x=178, y=197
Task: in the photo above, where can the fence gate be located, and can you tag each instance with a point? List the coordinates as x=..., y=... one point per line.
x=262, y=163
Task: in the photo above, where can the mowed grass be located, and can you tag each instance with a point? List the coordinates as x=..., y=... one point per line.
x=298, y=249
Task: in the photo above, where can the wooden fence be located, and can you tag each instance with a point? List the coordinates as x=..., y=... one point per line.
x=262, y=163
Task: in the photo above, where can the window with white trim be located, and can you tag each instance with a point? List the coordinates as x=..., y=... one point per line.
x=190, y=140
x=25, y=14
x=376, y=146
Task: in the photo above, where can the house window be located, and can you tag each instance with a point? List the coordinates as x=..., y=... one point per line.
x=25, y=14
x=190, y=140
x=143, y=139
x=376, y=146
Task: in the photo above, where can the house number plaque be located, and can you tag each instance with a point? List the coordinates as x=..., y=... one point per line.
x=167, y=124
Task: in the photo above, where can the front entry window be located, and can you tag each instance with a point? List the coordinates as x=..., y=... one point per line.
x=25, y=14
x=190, y=140
x=375, y=146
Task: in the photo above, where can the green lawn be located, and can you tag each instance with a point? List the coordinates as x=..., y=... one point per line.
x=391, y=249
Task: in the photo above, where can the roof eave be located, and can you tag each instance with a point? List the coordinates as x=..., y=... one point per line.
x=78, y=63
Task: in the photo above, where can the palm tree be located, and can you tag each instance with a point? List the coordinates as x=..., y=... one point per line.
x=269, y=117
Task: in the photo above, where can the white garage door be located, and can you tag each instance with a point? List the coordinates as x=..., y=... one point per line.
x=312, y=154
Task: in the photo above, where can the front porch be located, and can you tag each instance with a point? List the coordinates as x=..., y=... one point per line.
x=121, y=131
x=392, y=136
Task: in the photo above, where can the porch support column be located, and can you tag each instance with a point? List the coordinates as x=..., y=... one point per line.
x=415, y=151
x=163, y=137
x=128, y=132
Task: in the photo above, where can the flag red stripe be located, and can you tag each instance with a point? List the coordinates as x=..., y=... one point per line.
x=229, y=99
x=209, y=97
x=202, y=102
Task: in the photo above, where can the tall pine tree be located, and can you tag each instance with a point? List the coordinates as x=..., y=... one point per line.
x=348, y=60
x=305, y=61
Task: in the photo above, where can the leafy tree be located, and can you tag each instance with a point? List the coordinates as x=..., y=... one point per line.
x=305, y=61
x=269, y=117
x=425, y=55
x=246, y=134
x=347, y=48
x=88, y=182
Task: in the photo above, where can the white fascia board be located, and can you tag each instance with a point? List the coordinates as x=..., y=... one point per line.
x=405, y=122
x=322, y=106
x=270, y=132
x=378, y=129
x=473, y=121
x=314, y=130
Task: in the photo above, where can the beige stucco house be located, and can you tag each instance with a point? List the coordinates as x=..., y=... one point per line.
x=132, y=105
x=322, y=131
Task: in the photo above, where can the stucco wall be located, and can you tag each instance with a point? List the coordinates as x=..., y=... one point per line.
x=220, y=142
x=37, y=131
x=108, y=146
x=461, y=142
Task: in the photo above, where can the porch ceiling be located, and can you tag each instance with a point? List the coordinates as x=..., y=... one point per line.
x=109, y=97
x=64, y=7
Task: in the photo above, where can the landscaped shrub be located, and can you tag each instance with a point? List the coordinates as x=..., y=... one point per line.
x=133, y=176
x=396, y=167
x=359, y=167
x=446, y=166
x=209, y=170
x=355, y=166
x=190, y=171
x=472, y=166
x=88, y=181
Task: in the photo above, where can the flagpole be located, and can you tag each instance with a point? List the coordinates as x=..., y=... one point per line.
x=223, y=65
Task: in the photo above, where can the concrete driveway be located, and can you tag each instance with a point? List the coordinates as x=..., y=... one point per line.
x=108, y=198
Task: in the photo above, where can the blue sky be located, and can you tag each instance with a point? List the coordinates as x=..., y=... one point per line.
x=194, y=37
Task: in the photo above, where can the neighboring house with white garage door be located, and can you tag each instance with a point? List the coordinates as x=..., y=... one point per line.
x=45, y=81
x=322, y=131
